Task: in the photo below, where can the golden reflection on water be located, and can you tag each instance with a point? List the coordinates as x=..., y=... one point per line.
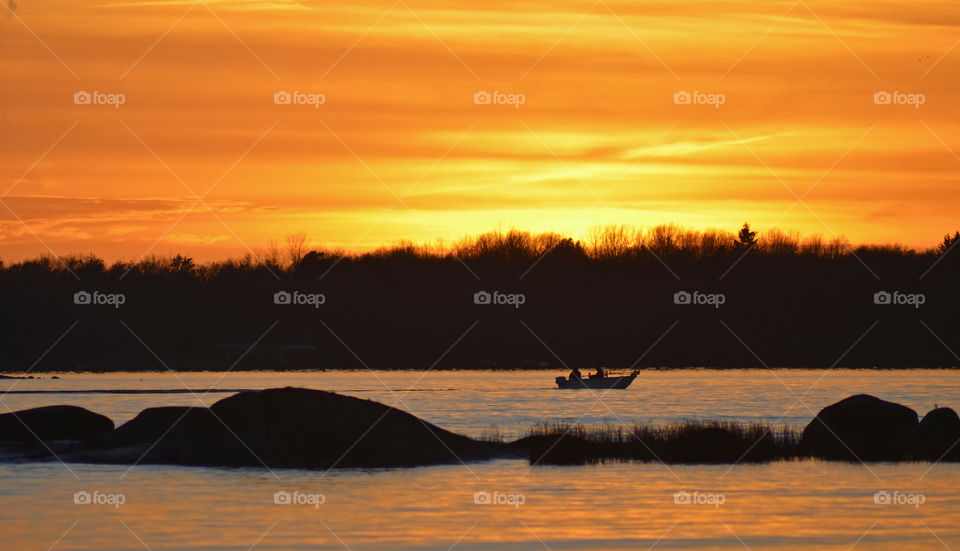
x=788, y=505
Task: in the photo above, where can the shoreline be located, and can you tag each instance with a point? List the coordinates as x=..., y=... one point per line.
x=48, y=374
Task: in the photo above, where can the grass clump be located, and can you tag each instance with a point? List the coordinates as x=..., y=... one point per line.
x=709, y=441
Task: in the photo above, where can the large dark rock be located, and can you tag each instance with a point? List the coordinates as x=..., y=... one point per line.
x=154, y=424
x=860, y=427
x=53, y=423
x=288, y=427
x=937, y=436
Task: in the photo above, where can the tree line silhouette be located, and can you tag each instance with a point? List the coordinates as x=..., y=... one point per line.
x=608, y=299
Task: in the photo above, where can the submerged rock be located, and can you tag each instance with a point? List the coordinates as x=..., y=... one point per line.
x=53, y=423
x=937, y=436
x=287, y=427
x=860, y=427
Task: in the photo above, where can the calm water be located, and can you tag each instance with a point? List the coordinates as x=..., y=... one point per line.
x=793, y=505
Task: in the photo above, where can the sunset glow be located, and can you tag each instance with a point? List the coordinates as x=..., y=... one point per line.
x=200, y=159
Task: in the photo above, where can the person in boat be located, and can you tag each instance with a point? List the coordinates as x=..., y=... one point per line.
x=575, y=375
x=599, y=374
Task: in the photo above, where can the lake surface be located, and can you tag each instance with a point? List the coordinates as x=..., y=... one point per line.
x=503, y=504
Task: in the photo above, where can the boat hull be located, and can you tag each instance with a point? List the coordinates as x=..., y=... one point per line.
x=612, y=383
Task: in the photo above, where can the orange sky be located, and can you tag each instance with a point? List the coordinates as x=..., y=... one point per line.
x=597, y=140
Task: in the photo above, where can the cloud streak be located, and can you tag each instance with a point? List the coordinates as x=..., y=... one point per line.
x=399, y=98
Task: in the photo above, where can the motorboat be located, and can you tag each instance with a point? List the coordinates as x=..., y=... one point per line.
x=607, y=381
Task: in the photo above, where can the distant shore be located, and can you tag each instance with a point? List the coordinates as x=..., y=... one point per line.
x=506, y=300
x=61, y=374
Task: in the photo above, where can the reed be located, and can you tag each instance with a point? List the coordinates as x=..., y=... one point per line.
x=701, y=441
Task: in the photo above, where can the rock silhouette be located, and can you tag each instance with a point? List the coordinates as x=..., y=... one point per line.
x=861, y=427
x=937, y=436
x=285, y=427
x=53, y=423
x=315, y=429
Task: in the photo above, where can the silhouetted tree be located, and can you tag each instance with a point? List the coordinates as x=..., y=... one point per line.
x=610, y=241
x=798, y=301
x=181, y=263
x=569, y=250
x=311, y=265
x=746, y=238
x=296, y=247
x=777, y=242
x=948, y=242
